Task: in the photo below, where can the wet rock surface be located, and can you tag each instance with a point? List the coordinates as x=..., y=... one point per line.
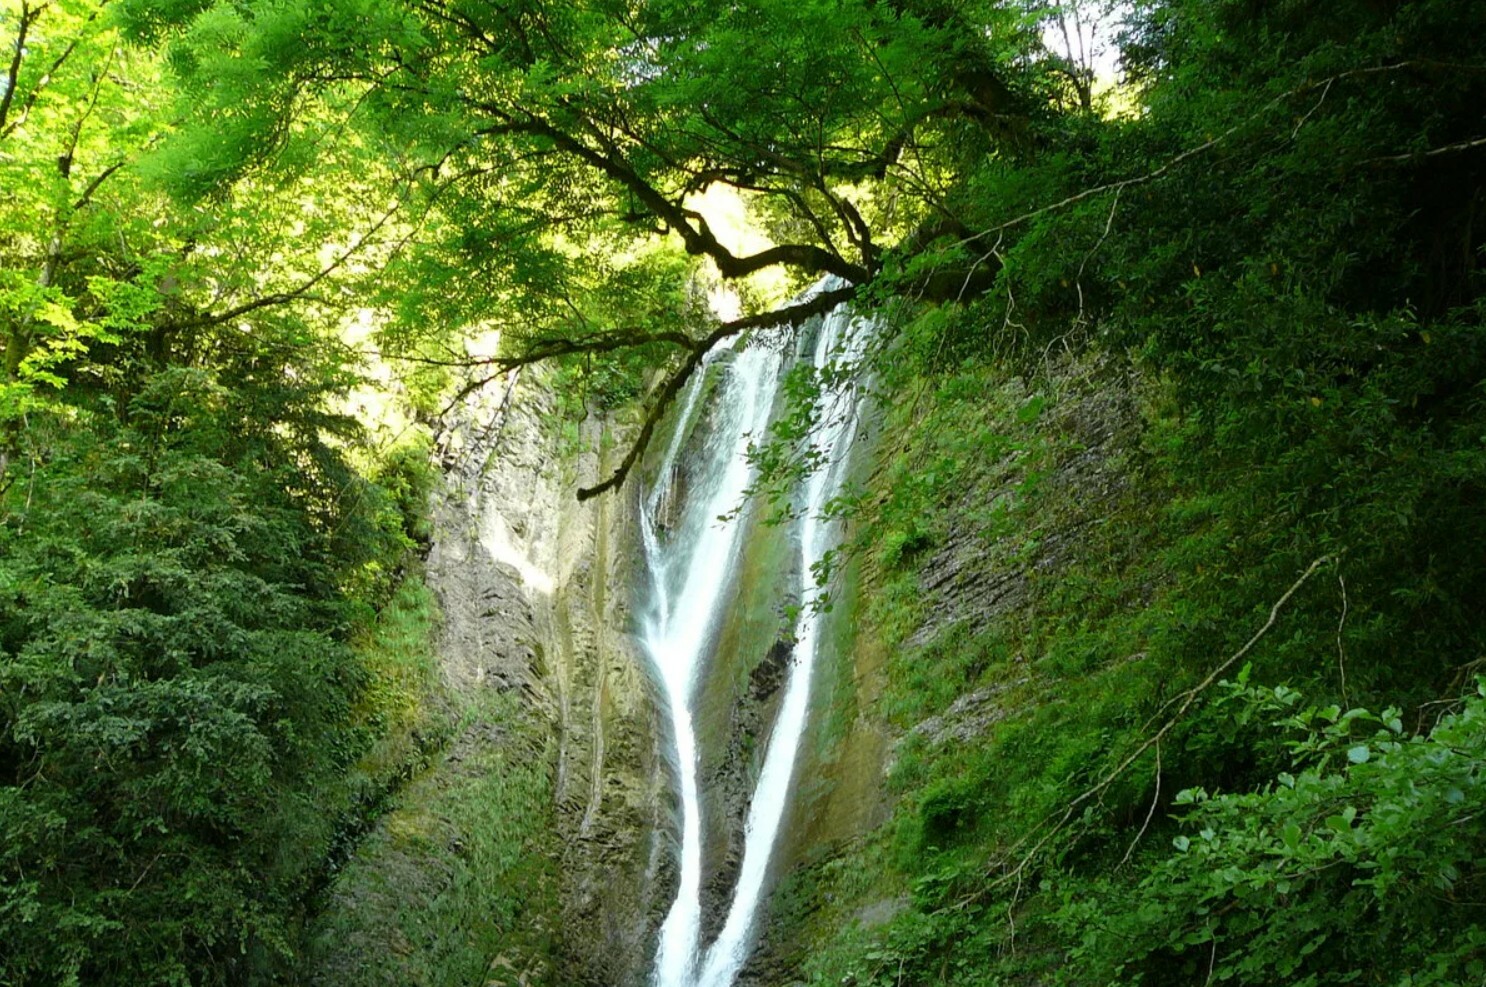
x=973, y=577
x=969, y=716
x=531, y=585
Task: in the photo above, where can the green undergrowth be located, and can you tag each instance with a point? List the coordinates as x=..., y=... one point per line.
x=454, y=885
x=403, y=716
x=1134, y=569
x=402, y=706
x=1369, y=836
x=441, y=861
x=197, y=693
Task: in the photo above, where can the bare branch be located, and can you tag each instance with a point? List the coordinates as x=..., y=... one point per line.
x=1050, y=828
x=1212, y=142
x=1341, y=649
x=547, y=349
x=790, y=314
x=1078, y=279
x=668, y=393
x=1431, y=153
x=64, y=163
x=1150, y=813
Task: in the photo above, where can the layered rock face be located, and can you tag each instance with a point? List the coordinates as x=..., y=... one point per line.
x=976, y=575
x=530, y=582
x=528, y=849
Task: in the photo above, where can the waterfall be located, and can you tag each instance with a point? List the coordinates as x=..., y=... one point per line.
x=689, y=571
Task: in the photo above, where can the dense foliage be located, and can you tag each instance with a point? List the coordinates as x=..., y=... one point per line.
x=1372, y=836
x=192, y=540
x=1267, y=282
x=1268, y=239
x=177, y=679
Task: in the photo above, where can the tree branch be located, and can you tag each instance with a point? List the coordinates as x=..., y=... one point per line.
x=790, y=314
x=65, y=162
x=696, y=353
x=28, y=17
x=1212, y=142
x=547, y=349
x=299, y=291
x=1455, y=148
x=6, y=125
x=695, y=234
x=95, y=184
x=618, y=339
x=1049, y=830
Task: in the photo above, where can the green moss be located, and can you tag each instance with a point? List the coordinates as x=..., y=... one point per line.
x=402, y=706
x=756, y=620
x=456, y=885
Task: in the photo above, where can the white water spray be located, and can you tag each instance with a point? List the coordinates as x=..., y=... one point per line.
x=689, y=571
x=689, y=574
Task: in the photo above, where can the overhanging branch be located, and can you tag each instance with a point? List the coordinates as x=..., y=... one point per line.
x=695, y=234
x=606, y=342
x=298, y=292
x=789, y=314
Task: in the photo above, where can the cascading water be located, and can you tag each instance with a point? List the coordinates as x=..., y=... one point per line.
x=689, y=572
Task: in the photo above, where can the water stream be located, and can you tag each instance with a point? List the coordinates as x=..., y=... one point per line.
x=692, y=564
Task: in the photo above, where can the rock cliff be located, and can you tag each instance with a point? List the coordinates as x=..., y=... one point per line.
x=544, y=684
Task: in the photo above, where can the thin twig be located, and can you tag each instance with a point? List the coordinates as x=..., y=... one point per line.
x=95, y=184
x=8, y=125
x=1150, y=813
x=1078, y=279
x=1188, y=699
x=1312, y=111
x=970, y=275
x=303, y=288
x=1341, y=651
x=148, y=867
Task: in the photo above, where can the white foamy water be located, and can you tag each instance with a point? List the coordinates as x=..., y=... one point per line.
x=691, y=568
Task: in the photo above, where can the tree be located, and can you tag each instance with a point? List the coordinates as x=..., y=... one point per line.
x=184, y=545
x=71, y=119
x=552, y=135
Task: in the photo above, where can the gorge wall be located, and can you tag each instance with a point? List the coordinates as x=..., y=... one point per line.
x=527, y=848
x=907, y=686
x=555, y=722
